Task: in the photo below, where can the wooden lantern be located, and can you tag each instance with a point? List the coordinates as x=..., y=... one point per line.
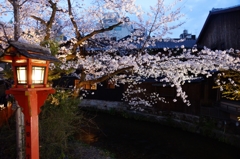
x=30, y=64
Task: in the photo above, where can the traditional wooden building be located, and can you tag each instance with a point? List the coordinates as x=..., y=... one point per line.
x=221, y=29
x=199, y=91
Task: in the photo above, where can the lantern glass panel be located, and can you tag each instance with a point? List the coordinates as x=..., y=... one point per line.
x=38, y=74
x=21, y=75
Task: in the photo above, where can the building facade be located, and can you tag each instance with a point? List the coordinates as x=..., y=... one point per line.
x=221, y=30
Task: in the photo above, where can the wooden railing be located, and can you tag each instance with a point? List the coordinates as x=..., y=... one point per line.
x=230, y=107
x=5, y=114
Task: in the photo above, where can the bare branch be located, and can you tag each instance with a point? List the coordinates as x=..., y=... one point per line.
x=7, y=12
x=4, y=31
x=97, y=32
x=10, y=1
x=61, y=10
x=23, y=3
x=78, y=35
x=51, y=20
x=39, y=19
x=3, y=40
x=16, y=13
x=80, y=41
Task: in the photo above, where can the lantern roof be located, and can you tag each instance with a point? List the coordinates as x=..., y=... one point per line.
x=17, y=48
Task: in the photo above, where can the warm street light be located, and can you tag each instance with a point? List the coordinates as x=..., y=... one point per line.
x=30, y=65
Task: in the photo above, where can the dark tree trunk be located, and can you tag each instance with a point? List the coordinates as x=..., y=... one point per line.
x=15, y=4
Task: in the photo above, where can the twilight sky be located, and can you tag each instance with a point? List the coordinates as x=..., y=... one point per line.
x=196, y=12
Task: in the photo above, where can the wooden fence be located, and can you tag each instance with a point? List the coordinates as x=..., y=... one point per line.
x=230, y=107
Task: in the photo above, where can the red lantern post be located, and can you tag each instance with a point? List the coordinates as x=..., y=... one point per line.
x=30, y=68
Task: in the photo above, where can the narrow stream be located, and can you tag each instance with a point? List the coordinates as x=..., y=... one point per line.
x=135, y=139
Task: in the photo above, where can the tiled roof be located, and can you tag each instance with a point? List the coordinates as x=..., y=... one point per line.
x=30, y=51
x=189, y=43
x=158, y=44
x=224, y=10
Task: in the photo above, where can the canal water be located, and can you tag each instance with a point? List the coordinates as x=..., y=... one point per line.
x=135, y=139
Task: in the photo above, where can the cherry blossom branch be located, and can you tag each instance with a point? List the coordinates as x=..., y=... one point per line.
x=103, y=78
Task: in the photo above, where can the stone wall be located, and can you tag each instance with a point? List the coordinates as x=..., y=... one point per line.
x=208, y=127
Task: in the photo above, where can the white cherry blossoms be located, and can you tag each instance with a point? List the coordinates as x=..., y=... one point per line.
x=174, y=70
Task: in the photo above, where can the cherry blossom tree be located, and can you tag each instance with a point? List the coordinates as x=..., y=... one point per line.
x=228, y=82
x=129, y=60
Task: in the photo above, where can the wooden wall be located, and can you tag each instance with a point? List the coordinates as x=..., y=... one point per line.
x=222, y=31
x=199, y=93
x=105, y=93
x=193, y=90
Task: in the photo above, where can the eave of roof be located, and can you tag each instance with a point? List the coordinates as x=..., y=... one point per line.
x=188, y=43
x=32, y=51
x=172, y=44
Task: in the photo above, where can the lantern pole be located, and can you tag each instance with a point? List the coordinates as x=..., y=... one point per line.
x=31, y=99
x=19, y=131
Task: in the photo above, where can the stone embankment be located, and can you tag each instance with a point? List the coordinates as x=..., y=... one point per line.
x=201, y=125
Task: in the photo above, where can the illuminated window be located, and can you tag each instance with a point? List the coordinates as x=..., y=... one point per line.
x=22, y=75
x=38, y=75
